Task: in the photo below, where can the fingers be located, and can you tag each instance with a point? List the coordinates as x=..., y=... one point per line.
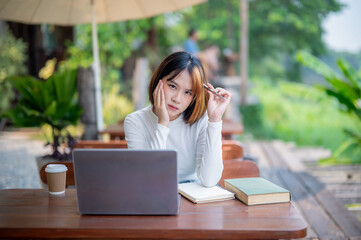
x=211, y=94
x=220, y=91
x=161, y=95
x=157, y=94
x=224, y=93
x=210, y=85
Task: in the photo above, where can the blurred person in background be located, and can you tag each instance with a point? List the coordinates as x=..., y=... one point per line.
x=208, y=57
x=190, y=45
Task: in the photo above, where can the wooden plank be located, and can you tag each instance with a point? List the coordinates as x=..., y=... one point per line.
x=264, y=165
x=350, y=174
x=343, y=218
x=101, y=144
x=31, y=213
x=317, y=217
x=267, y=172
x=355, y=188
x=337, y=212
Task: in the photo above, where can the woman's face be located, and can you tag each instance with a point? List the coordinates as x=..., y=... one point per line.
x=178, y=94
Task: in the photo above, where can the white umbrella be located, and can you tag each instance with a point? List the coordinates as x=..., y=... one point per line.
x=71, y=12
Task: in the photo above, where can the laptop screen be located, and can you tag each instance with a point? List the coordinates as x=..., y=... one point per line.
x=124, y=181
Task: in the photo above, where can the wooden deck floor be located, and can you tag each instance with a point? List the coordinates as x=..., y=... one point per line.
x=320, y=204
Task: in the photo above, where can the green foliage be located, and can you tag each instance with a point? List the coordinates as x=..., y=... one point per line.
x=354, y=59
x=347, y=90
x=117, y=41
x=252, y=119
x=53, y=102
x=299, y=113
x=114, y=41
x=276, y=28
x=12, y=63
x=116, y=107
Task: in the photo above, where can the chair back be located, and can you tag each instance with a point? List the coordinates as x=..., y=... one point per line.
x=237, y=168
x=231, y=149
x=101, y=144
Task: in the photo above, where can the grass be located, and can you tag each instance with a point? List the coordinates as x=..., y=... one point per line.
x=295, y=112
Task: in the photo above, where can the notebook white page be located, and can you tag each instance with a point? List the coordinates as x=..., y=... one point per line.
x=197, y=193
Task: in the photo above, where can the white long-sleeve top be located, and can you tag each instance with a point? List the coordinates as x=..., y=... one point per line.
x=198, y=146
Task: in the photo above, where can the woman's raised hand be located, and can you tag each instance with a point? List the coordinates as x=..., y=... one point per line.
x=217, y=106
x=160, y=108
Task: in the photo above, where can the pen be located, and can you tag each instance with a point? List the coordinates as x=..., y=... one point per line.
x=212, y=91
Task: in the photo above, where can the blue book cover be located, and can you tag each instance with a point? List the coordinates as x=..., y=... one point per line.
x=253, y=191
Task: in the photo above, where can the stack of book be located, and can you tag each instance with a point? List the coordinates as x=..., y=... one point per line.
x=251, y=191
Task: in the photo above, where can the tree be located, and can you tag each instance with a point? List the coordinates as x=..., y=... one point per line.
x=12, y=63
x=277, y=28
x=118, y=42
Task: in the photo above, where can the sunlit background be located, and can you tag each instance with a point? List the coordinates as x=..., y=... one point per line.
x=287, y=96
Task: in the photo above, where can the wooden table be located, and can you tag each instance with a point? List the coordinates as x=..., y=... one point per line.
x=114, y=131
x=229, y=128
x=32, y=213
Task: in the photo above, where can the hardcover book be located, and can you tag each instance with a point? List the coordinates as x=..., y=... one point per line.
x=254, y=191
x=197, y=193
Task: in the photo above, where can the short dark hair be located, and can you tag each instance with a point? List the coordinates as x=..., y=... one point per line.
x=172, y=66
x=192, y=31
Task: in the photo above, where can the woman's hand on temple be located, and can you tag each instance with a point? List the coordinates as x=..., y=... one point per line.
x=216, y=105
x=160, y=108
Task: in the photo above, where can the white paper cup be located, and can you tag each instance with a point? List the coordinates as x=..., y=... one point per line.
x=56, y=177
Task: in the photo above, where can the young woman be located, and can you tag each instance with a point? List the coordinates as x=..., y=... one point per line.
x=184, y=116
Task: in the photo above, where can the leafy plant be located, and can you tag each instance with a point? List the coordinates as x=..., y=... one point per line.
x=118, y=42
x=115, y=107
x=12, y=63
x=347, y=90
x=53, y=102
x=277, y=29
x=252, y=119
x=295, y=112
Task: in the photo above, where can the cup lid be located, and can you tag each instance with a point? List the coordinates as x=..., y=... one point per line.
x=55, y=168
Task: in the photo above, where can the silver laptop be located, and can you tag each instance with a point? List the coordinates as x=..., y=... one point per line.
x=126, y=182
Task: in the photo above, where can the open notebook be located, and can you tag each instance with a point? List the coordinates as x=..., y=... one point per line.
x=197, y=193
